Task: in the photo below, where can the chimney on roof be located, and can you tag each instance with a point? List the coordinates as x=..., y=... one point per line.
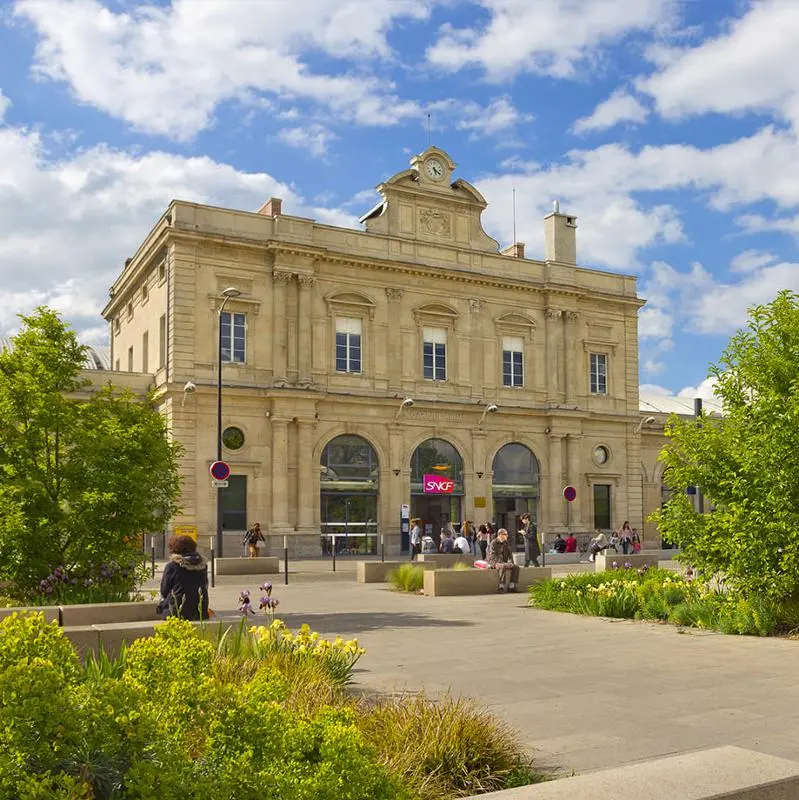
x=560, y=241
x=515, y=250
x=273, y=207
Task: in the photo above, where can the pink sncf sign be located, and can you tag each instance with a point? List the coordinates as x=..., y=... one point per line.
x=437, y=484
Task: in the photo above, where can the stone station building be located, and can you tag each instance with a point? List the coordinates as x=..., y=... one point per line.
x=363, y=369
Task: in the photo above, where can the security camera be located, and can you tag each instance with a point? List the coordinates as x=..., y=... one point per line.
x=407, y=402
x=190, y=388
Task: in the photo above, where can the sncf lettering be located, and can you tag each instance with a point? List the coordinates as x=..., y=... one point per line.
x=435, y=484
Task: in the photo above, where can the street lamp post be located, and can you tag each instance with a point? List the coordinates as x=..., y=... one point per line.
x=227, y=294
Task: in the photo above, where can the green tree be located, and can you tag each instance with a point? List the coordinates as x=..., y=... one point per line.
x=747, y=463
x=82, y=475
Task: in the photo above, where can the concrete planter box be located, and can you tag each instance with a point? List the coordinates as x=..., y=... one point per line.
x=376, y=571
x=105, y=613
x=437, y=560
x=552, y=559
x=723, y=773
x=50, y=612
x=91, y=638
x=604, y=561
x=451, y=582
x=263, y=565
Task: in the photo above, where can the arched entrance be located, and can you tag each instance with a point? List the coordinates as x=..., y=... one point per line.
x=436, y=485
x=349, y=488
x=515, y=488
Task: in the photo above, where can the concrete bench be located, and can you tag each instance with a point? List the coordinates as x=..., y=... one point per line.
x=605, y=561
x=450, y=582
x=50, y=612
x=376, y=571
x=436, y=560
x=552, y=559
x=263, y=565
x=104, y=613
x=723, y=773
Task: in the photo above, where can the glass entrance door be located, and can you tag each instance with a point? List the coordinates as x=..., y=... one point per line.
x=508, y=512
x=436, y=511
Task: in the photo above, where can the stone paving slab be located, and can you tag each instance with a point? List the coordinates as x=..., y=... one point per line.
x=586, y=693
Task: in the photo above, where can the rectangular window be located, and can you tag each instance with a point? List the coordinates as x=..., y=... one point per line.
x=512, y=361
x=145, y=354
x=348, y=344
x=130, y=359
x=234, y=337
x=130, y=310
x=599, y=373
x=117, y=324
x=145, y=293
x=116, y=367
x=162, y=272
x=233, y=500
x=434, y=354
x=602, y=506
x=162, y=341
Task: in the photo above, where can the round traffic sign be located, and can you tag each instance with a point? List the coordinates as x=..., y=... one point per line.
x=569, y=493
x=220, y=471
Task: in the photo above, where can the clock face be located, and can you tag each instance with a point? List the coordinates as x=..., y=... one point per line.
x=434, y=169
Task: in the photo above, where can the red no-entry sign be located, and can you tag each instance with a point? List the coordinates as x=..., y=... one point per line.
x=220, y=471
x=569, y=493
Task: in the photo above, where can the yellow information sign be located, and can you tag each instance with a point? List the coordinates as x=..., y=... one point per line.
x=186, y=530
x=479, y=502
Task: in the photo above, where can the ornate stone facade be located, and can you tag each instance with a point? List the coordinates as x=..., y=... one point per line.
x=340, y=327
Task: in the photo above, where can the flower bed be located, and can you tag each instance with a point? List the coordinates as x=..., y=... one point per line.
x=211, y=712
x=657, y=594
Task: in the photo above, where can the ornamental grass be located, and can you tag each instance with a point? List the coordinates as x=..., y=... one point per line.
x=407, y=578
x=663, y=595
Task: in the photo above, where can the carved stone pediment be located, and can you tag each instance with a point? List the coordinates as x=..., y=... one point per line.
x=423, y=203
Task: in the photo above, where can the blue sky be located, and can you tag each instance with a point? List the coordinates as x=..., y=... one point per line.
x=671, y=129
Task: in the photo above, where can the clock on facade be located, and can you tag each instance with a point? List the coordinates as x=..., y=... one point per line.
x=434, y=169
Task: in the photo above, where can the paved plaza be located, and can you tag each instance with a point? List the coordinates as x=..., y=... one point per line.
x=586, y=693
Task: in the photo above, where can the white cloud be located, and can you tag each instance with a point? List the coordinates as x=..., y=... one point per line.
x=67, y=225
x=165, y=69
x=619, y=107
x=5, y=104
x=654, y=388
x=653, y=367
x=703, y=389
x=314, y=138
x=750, y=260
x=753, y=65
x=654, y=323
x=499, y=115
x=544, y=36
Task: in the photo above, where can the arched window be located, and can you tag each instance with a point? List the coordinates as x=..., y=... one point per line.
x=349, y=486
x=436, y=457
x=515, y=471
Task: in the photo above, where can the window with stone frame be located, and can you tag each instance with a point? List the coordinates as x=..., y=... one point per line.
x=234, y=337
x=349, y=335
x=513, y=361
x=598, y=373
x=434, y=354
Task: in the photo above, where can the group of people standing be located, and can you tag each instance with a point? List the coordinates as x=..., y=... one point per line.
x=626, y=538
x=467, y=539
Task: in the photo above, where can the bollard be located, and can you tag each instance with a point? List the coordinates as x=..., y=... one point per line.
x=382, y=548
x=334, y=553
x=152, y=555
x=213, y=565
x=286, y=560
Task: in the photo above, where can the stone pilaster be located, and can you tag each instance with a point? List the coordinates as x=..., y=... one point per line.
x=573, y=470
x=552, y=332
x=307, y=484
x=394, y=297
x=475, y=348
x=280, y=326
x=571, y=356
x=555, y=513
x=280, y=486
x=305, y=328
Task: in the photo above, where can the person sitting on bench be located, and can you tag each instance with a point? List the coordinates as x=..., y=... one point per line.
x=500, y=557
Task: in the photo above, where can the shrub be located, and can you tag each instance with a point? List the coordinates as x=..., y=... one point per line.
x=407, y=578
x=462, y=566
x=445, y=748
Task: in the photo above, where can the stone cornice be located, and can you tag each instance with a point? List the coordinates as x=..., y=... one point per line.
x=453, y=274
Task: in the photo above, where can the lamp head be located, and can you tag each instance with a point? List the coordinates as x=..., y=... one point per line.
x=190, y=387
x=407, y=402
x=231, y=291
x=491, y=408
x=649, y=420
